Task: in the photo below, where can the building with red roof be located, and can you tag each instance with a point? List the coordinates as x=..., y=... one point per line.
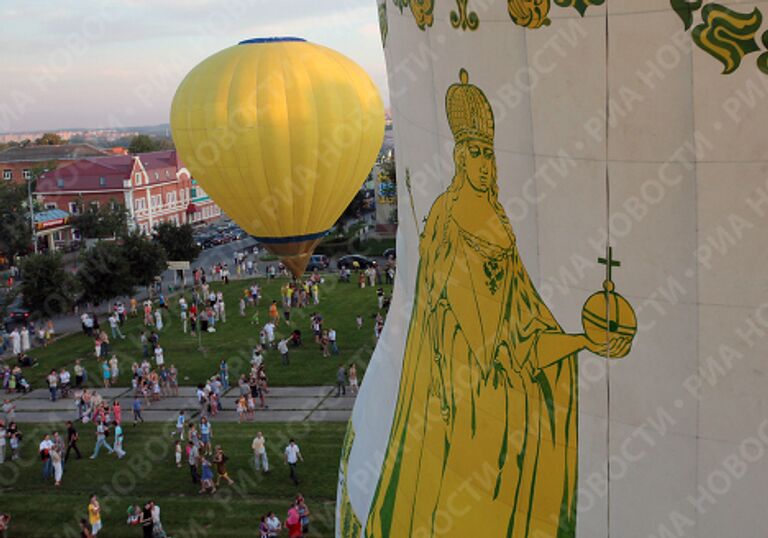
x=18, y=163
x=153, y=187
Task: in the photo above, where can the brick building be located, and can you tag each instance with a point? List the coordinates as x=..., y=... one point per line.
x=17, y=163
x=153, y=187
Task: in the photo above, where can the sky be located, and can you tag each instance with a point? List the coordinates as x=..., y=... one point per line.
x=117, y=63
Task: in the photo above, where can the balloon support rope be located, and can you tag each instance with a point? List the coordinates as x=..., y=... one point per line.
x=608, y=268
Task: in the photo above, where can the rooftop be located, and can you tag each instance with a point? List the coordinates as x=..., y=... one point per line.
x=109, y=172
x=50, y=153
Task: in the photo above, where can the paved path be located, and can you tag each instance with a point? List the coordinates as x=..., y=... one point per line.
x=285, y=404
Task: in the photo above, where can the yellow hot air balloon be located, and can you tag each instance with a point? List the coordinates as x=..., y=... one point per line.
x=281, y=134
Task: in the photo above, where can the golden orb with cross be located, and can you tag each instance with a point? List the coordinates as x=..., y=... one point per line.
x=606, y=314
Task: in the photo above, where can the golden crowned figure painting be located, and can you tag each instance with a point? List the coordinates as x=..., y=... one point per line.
x=486, y=416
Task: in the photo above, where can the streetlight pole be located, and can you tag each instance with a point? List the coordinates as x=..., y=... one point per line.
x=31, y=214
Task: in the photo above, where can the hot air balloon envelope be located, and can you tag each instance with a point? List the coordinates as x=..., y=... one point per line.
x=281, y=133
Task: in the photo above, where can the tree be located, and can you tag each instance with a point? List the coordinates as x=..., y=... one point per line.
x=146, y=259
x=144, y=143
x=99, y=222
x=104, y=273
x=388, y=170
x=178, y=241
x=15, y=231
x=48, y=289
x=49, y=139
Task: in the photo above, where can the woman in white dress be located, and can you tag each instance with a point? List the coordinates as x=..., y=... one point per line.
x=16, y=342
x=58, y=469
x=25, y=340
x=158, y=320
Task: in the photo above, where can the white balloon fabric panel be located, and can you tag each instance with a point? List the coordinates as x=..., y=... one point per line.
x=671, y=439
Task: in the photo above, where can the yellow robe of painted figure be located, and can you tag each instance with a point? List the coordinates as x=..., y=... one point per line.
x=484, y=436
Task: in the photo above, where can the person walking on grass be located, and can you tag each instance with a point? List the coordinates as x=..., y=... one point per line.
x=332, y=341
x=220, y=461
x=259, y=447
x=117, y=412
x=293, y=522
x=180, y=425
x=53, y=384
x=85, y=529
x=274, y=527
x=352, y=375
x=106, y=373
x=114, y=325
x=114, y=368
x=158, y=320
x=303, y=510
x=193, y=456
x=101, y=440
x=58, y=466
x=119, y=438
x=45, y=447
x=274, y=315
x=206, y=478
x=292, y=457
x=94, y=515
x=206, y=434
x=3, y=437
x=282, y=348
x=341, y=381
x=72, y=437
x=137, y=410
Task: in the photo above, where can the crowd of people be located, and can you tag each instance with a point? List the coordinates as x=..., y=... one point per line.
x=200, y=310
x=21, y=339
x=296, y=521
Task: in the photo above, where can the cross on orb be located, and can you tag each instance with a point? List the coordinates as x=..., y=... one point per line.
x=609, y=263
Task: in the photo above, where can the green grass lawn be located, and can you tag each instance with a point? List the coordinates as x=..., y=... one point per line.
x=148, y=472
x=340, y=303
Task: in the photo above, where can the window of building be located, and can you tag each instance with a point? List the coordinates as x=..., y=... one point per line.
x=51, y=205
x=157, y=201
x=26, y=173
x=140, y=204
x=157, y=176
x=60, y=183
x=57, y=236
x=137, y=178
x=7, y=175
x=73, y=208
x=102, y=181
x=170, y=198
x=167, y=174
x=95, y=205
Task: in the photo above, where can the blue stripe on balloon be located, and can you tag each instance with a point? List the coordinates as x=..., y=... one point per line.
x=290, y=238
x=270, y=40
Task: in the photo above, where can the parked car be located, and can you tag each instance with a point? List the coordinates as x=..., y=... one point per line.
x=204, y=241
x=237, y=233
x=318, y=262
x=389, y=252
x=16, y=314
x=348, y=261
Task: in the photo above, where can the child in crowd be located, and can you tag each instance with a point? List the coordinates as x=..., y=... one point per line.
x=241, y=409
